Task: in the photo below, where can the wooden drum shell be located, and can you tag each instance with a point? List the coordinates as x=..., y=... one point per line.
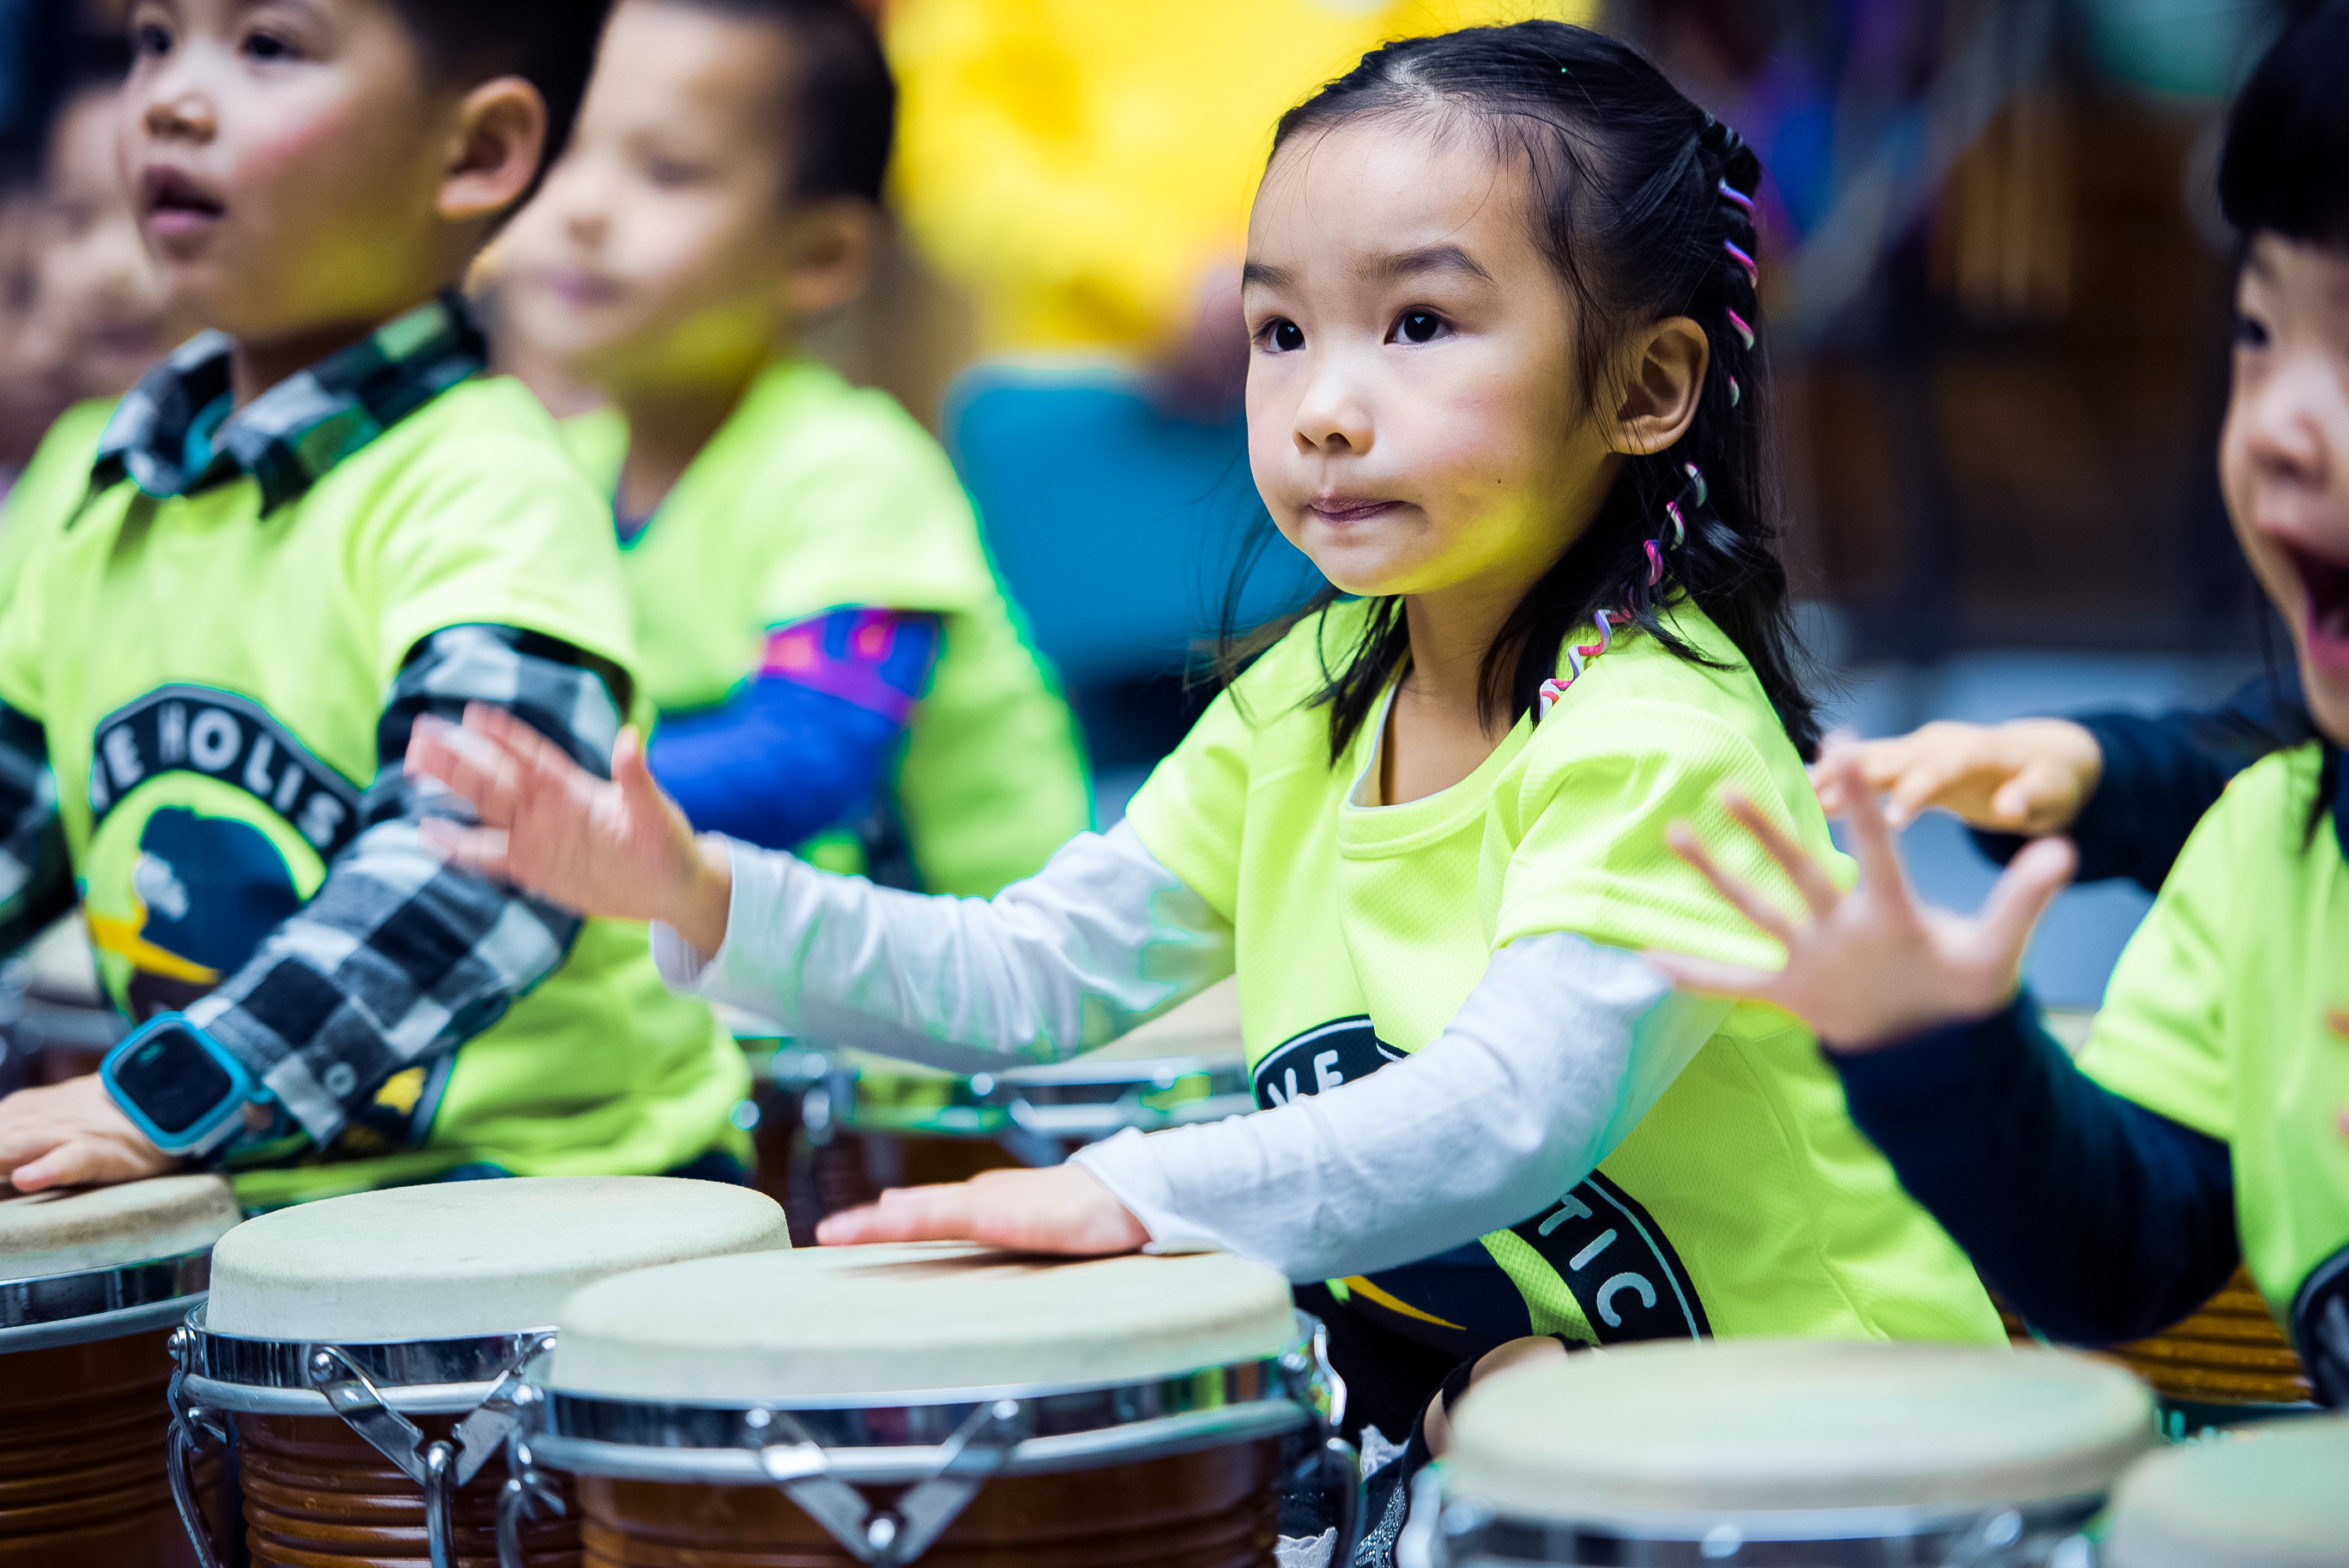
x=82, y=1480
x=317, y=1495
x=2228, y=1352
x=1215, y=1508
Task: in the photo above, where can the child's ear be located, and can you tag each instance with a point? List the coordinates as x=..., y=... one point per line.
x=1666, y=365
x=499, y=132
x=828, y=258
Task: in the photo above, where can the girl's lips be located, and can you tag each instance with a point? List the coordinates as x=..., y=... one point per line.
x=1346, y=508
x=578, y=289
x=2325, y=584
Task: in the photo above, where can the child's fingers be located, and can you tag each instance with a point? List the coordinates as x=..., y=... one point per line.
x=1810, y=879
x=940, y=1213
x=2036, y=799
x=1747, y=900
x=485, y=849
x=634, y=775
x=1714, y=978
x=468, y=767
x=1872, y=846
x=2022, y=894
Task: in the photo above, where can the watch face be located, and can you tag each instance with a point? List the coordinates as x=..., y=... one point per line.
x=173, y=1080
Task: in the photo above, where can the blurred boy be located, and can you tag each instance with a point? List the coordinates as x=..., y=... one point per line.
x=819, y=621
x=301, y=531
x=102, y=319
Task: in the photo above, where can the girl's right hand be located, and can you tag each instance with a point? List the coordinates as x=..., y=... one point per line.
x=548, y=826
x=1872, y=966
x=2032, y=776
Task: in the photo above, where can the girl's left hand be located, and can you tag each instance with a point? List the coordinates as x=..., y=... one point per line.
x=1063, y=1209
x=1872, y=966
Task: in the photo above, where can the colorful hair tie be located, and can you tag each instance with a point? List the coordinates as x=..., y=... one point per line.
x=1680, y=527
x=1576, y=659
x=1743, y=260
x=1740, y=197
x=1655, y=562
x=1738, y=322
x=1696, y=478
x=1732, y=391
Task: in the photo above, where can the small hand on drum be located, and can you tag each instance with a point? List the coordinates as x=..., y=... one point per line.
x=1062, y=1209
x=72, y=1134
x=1871, y=966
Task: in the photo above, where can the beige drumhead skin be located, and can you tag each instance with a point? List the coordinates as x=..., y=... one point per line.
x=2274, y=1495
x=68, y=1231
x=467, y=1258
x=842, y=1323
x=1750, y=1426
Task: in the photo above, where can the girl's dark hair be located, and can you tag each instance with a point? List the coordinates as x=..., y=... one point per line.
x=1644, y=203
x=2285, y=167
x=2285, y=171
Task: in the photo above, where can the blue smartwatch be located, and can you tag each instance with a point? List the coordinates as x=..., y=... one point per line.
x=181, y=1087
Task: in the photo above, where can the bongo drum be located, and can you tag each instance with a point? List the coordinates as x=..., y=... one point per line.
x=2277, y=1497
x=938, y=1402
x=1782, y=1452
x=869, y=1122
x=366, y=1351
x=91, y=1281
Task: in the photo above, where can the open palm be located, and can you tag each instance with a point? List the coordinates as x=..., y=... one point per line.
x=1871, y=966
x=620, y=848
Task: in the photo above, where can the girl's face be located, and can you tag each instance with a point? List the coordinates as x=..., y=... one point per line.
x=101, y=296
x=2283, y=457
x=1413, y=421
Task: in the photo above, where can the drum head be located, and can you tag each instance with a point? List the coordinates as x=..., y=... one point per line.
x=68, y=1231
x=1762, y=1426
x=2275, y=1495
x=467, y=1258
x=902, y=1323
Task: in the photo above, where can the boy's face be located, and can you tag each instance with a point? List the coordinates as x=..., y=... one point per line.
x=102, y=303
x=286, y=159
x=664, y=249
x=2283, y=457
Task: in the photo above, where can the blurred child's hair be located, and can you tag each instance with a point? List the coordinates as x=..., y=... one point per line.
x=2285, y=168
x=1643, y=203
x=842, y=110
x=2285, y=171
x=550, y=44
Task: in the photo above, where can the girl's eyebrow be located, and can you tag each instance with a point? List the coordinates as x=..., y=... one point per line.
x=1438, y=258
x=1264, y=275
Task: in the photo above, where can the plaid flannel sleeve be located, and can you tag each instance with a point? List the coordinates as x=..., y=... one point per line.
x=36, y=873
x=399, y=957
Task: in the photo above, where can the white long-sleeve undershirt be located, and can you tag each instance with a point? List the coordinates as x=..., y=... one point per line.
x=1555, y=1055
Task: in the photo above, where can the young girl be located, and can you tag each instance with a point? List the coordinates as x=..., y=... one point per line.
x=1504, y=394
x=2204, y=1120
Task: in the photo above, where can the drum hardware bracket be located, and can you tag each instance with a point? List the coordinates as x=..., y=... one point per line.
x=190, y=1423
x=525, y=1491
x=886, y=1537
x=1314, y=1384
x=439, y=1466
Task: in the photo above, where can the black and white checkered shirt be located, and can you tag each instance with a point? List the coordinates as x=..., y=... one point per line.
x=397, y=958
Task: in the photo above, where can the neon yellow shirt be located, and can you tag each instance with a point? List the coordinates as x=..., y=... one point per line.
x=1746, y=1203
x=467, y=512
x=816, y=496
x=52, y=484
x=2228, y=1012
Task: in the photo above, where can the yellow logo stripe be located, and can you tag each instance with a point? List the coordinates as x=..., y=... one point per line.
x=121, y=936
x=1358, y=1283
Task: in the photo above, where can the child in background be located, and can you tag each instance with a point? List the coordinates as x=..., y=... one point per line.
x=818, y=621
x=1501, y=294
x=2205, y=1120
x=303, y=531
x=103, y=319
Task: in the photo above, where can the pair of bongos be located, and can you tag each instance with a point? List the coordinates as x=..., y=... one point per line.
x=640, y=1372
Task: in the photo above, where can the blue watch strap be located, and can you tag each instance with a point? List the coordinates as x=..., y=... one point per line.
x=183, y=1090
